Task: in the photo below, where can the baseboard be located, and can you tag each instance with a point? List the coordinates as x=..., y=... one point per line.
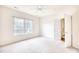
x=74, y=48
x=18, y=41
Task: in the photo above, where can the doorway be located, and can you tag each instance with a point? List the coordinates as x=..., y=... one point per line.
x=62, y=29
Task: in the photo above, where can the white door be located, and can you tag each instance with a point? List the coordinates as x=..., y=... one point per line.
x=68, y=31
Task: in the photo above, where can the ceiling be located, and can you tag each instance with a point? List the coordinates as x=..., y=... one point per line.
x=44, y=10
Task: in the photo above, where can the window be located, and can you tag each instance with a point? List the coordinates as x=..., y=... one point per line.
x=22, y=26
x=28, y=26
x=18, y=25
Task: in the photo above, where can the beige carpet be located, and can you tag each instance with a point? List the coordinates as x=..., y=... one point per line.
x=37, y=45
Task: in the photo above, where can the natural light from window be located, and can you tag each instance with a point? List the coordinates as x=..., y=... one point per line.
x=22, y=26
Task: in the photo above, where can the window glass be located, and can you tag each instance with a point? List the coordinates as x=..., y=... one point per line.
x=18, y=25
x=28, y=26
x=22, y=26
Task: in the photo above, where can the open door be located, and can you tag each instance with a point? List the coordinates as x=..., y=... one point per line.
x=68, y=31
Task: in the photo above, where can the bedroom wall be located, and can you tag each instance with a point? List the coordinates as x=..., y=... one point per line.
x=75, y=29
x=47, y=26
x=6, y=28
x=57, y=29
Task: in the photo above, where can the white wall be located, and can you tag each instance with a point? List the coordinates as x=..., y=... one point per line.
x=47, y=26
x=57, y=29
x=75, y=29
x=0, y=25
x=7, y=26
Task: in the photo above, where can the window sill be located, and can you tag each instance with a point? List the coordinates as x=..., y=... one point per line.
x=19, y=34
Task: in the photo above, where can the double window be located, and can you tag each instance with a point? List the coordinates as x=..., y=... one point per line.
x=22, y=26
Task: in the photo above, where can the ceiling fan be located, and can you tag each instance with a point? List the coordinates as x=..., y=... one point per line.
x=40, y=7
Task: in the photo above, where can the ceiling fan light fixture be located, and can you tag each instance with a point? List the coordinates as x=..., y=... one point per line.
x=40, y=8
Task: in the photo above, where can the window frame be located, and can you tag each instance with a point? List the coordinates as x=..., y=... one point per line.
x=25, y=19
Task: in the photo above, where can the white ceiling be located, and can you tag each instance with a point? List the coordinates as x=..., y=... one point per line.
x=46, y=9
